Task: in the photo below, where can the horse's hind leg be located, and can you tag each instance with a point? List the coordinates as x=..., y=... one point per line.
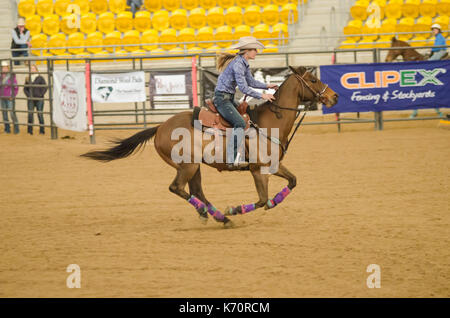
x=185, y=173
x=195, y=189
x=284, y=173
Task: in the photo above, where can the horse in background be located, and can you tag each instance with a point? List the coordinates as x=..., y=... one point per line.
x=406, y=51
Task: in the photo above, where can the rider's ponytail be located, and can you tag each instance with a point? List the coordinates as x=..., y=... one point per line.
x=223, y=59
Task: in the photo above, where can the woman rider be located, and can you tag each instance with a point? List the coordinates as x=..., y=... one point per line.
x=236, y=72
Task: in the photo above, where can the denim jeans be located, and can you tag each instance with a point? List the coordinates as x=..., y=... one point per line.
x=20, y=53
x=226, y=106
x=437, y=55
x=39, y=105
x=7, y=105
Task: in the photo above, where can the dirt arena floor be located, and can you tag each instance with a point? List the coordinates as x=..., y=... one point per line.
x=363, y=197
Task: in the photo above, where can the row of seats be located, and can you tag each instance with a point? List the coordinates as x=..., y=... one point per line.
x=65, y=7
x=384, y=43
x=223, y=33
x=396, y=9
x=179, y=19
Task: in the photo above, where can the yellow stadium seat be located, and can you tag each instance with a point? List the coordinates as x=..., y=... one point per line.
x=443, y=20
x=405, y=25
x=262, y=31
x=270, y=48
x=366, y=43
x=178, y=19
x=160, y=20
x=38, y=41
x=131, y=37
x=94, y=39
x=142, y=21
x=382, y=43
x=117, y=6
x=368, y=29
x=55, y=41
x=26, y=8
x=69, y=24
x=244, y=3
x=75, y=39
x=44, y=7
x=99, y=6
x=279, y=31
x=83, y=5
x=289, y=13
x=423, y=24
x=187, y=35
x=233, y=16
x=124, y=21
x=359, y=10
x=242, y=30
x=171, y=5
x=50, y=24
x=61, y=7
x=101, y=54
x=410, y=9
x=149, y=36
x=33, y=24
x=418, y=41
x=280, y=2
x=195, y=50
x=214, y=49
x=189, y=4
x=215, y=17
x=270, y=15
x=207, y=4
x=261, y=3
x=112, y=38
x=106, y=22
x=252, y=15
x=224, y=33
x=205, y=34
x=88, y=23
x=225, y=3
x=348, y=44
x=353, y=27
x=168, y=35
x=176, y=51
x=158, y=51
x=197, y=18
x=428, y=8
x=443, y=7
x=153, y=5
x=393, y=9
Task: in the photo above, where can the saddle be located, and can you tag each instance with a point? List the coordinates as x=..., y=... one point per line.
x=210, y=117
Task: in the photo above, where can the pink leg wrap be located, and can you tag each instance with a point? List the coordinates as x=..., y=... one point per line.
x=278, y=198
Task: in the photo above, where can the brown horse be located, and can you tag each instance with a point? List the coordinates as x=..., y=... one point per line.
x=405, y=50
x=280, y=115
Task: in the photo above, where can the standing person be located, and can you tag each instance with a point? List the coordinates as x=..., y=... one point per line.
x=236, y=72
x=35, y=97
x=8, y=90
x=135, y=5
x=20, y=40
x=436, y=54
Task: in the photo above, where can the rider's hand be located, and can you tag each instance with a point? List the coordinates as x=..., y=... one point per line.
x=274, y=86
x=268, y=97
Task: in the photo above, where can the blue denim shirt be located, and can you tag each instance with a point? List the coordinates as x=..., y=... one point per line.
x=237, y=73
x=438, y=41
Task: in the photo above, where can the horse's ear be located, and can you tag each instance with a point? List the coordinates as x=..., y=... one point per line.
x=293, y=69
x=394, y=39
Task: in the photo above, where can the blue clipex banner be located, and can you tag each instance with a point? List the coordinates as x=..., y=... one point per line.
x=388, y=86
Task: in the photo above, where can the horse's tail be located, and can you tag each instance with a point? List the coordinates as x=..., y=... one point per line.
x=123, y=147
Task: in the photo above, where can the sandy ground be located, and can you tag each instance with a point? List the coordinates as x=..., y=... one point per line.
x=364, y=197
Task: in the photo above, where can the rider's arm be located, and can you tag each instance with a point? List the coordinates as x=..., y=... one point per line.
x=252, y=82
x=239, y=75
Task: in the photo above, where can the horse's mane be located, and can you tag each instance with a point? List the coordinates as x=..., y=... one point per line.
x=398, y=43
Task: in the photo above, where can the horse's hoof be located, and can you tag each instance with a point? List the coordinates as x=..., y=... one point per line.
x=228, y=224
x=203, y=219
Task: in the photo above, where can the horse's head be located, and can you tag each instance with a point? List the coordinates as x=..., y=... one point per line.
x=312, y=89
x=393, y=54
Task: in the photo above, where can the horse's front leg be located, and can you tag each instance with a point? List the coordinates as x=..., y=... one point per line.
x=262, y=186
x=284, y=173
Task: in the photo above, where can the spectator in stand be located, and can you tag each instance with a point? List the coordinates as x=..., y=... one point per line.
x=35, y=91
x=20, y=40
x=8, y=90
x=135, y=5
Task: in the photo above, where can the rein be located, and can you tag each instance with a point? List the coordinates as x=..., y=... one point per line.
x=318, y=96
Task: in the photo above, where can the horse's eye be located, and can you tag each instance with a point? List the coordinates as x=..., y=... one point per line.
x=313, y=81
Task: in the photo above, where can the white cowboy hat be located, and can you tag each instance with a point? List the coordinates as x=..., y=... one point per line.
x=5, y=63
x=21, y=22
x=248, y=42
x=436, y=26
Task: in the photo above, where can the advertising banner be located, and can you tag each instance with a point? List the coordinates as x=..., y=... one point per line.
x=171, y=89
x=118, y=88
